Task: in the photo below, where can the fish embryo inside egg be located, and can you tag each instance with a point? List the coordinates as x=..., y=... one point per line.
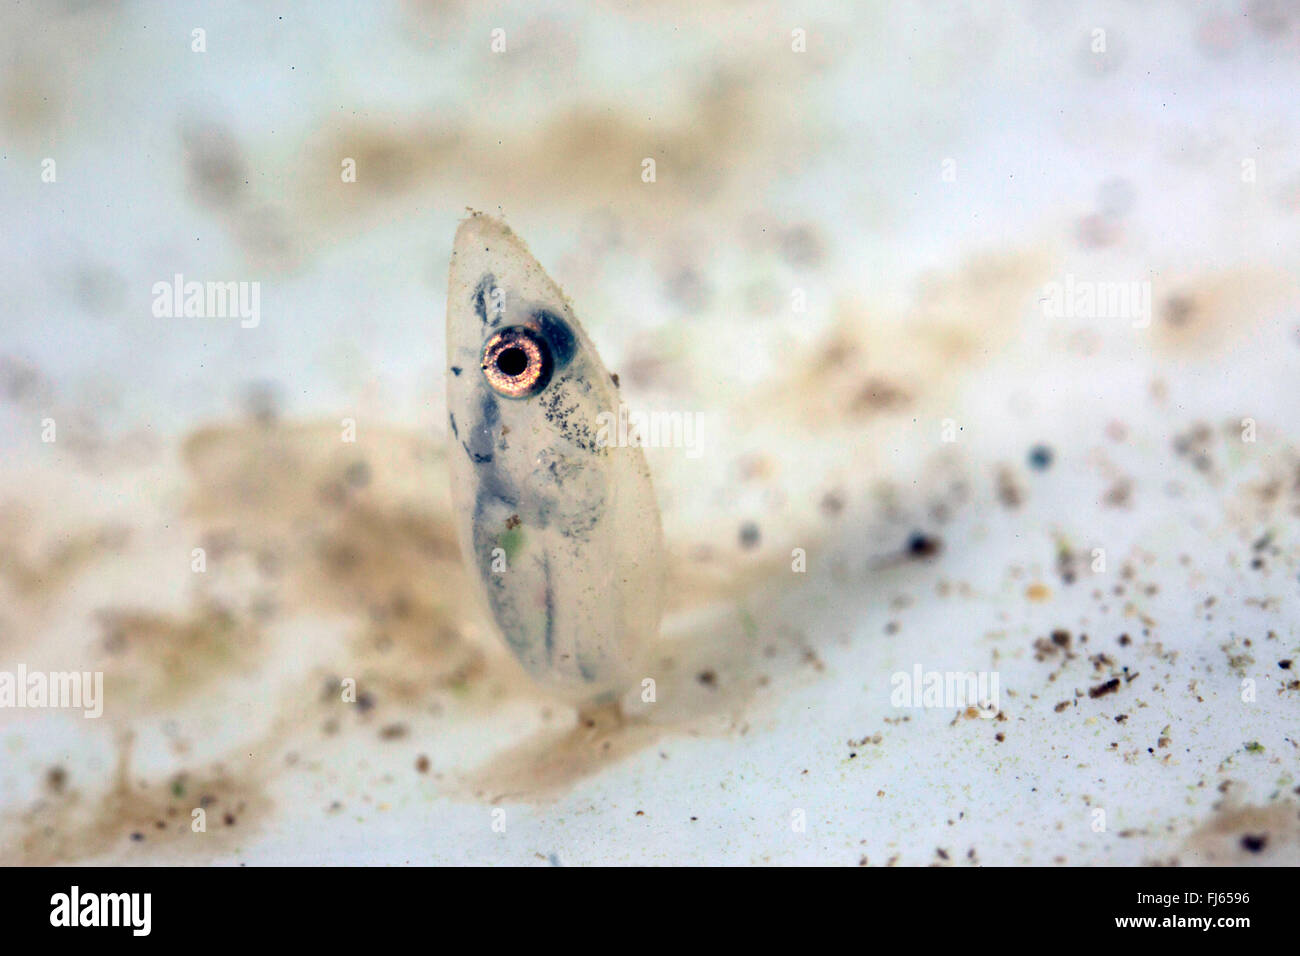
x=560, y=529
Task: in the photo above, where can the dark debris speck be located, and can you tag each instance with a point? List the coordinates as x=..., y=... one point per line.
x=1254, y=842
x=1101, y=690
x=922, y=545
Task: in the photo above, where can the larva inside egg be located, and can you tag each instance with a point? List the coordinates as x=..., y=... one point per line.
x=560, y=530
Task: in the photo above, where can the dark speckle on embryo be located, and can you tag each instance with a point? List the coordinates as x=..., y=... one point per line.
x=562, y=413
x=481, y=294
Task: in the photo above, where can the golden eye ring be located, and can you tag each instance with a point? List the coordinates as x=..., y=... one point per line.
x=516, y=362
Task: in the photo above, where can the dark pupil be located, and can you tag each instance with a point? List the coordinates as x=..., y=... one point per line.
x=512, y=362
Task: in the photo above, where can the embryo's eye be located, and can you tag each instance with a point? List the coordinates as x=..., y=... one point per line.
x=517, y=362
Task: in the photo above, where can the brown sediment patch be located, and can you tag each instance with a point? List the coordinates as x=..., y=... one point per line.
x=40, y=569
x=699, y=576
x=873, y=365
x=424, y=656
x=32, y=100
x=589, y=153
x=383, y=558
x=274, y=476
x=161, y=660
x=1236, y=834
x=542, y=768
x=359, y=530
x=706, y=674
x=359, y=533
x=136, y=819
x=44, y=49
x=1201, y=315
